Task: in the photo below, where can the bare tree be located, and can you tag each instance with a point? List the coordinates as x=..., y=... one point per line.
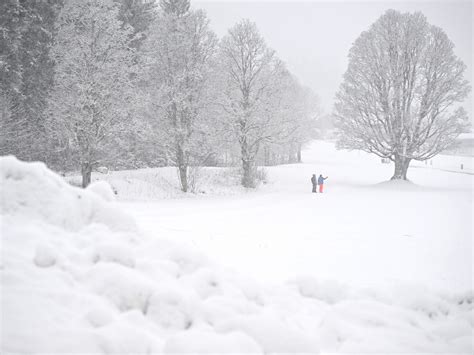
x=250, y=71
x=399, y=92
x=179, y=49
x=299, y=111
x=92, y=79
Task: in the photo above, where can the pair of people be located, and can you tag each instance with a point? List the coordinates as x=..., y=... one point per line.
x=319, y=181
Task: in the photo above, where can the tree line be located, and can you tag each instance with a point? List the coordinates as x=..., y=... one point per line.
x=136, y=83
x=140, y=83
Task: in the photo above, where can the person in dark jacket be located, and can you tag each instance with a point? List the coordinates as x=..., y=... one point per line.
x=321, y=182
x=314, y=182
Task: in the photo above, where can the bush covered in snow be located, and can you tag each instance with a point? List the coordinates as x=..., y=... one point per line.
x=77, y=276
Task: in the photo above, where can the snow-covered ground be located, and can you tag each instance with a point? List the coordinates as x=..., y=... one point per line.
x=360, y=230
x=366, y=267
x=451, y=163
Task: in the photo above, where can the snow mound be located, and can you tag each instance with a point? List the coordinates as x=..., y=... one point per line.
x=274, y=333
x=115, y=252
x=328, y=291
x=399, y=185
x=28, y=190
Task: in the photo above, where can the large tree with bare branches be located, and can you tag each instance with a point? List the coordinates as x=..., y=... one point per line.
x=89, y=102
x=251, y=81
x=179, y=54
x=400, y=92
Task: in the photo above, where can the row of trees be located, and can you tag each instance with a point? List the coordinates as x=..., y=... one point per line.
x=137, y=84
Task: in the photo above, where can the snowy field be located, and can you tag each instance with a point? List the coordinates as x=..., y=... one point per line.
x=451, y=163
x=360, y=231
x=366, y=267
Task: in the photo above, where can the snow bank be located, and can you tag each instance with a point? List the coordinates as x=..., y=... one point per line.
x=77, y=276
x=31, y=190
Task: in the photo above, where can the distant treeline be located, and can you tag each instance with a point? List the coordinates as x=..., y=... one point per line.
x=137, y=83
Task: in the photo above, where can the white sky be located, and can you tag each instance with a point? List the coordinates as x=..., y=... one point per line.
x=314, y=37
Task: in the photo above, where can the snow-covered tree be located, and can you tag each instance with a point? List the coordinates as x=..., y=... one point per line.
x=308, y=115
x=11, y=27
x=27, y=29
x=399, y=94
x=178, y=61
x=138, y=14
x=297, y=111
x=281, y=120
x=251, y=77
x=92, y=80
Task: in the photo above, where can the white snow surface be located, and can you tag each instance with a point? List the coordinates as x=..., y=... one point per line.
x=366, y=267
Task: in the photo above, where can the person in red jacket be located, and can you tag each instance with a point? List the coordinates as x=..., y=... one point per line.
x=321, y=182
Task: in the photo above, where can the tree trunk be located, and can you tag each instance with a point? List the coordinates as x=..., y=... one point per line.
x=401, y=168
x=182, y=168
x=248, y=165
x=266, y=154
x=86, y=171
x=183, y=177
x=405, y=168
x=248, y=178
x=291, y=154
x=298, y=154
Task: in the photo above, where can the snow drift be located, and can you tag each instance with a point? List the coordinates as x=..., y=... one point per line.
x=32, y=191
x=78, y=276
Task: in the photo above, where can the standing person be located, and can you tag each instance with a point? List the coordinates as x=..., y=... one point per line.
x=314, y=182
x=321, y=182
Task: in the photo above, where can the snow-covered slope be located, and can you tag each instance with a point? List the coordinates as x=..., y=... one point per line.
x=79, y=276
